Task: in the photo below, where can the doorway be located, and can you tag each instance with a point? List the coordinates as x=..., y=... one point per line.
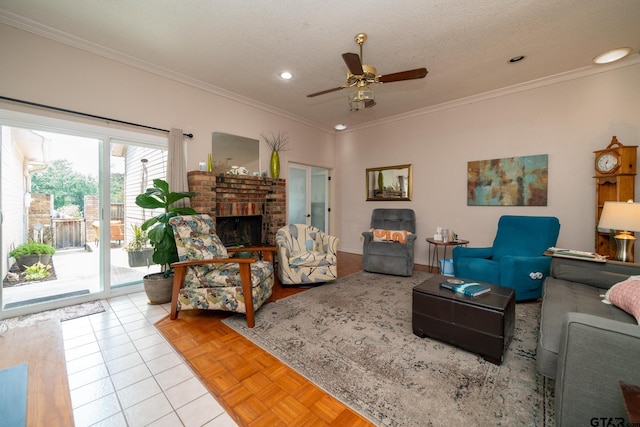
x=72, y=187
x=308, y=196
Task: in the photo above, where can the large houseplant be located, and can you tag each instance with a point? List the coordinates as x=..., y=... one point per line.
x=158, y=285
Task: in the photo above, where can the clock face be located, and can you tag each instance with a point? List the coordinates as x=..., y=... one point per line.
x=607, y=162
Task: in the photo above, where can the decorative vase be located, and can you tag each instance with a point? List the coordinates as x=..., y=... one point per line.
x=380, y=181
x=275, y=164
x=209, y=163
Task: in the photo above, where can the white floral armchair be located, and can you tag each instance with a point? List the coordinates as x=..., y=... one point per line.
x=206, y=278
x=306, y=255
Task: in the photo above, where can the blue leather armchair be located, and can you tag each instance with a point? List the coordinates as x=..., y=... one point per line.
x=515, y=260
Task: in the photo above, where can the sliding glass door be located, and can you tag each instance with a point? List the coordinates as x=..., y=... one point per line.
x=70, y=189
x=133, y=169
x=47, y=178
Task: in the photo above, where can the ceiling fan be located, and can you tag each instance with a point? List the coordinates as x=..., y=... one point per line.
x=361, y=76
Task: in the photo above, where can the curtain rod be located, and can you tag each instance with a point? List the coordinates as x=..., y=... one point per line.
x=64, y=110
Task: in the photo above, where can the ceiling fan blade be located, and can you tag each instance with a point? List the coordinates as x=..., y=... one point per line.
x=325, y=91
x=418, y=73
x=353, y=63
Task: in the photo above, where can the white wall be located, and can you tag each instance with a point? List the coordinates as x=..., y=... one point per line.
x=13, y=197
x=40, y=70
x=567, y=120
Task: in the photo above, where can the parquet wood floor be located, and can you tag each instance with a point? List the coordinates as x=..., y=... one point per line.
x=254, y=387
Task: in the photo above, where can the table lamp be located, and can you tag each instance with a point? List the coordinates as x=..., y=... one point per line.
x=625, y=218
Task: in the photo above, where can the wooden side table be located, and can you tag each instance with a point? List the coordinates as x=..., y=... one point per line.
x=435, y=245
x=41, y=347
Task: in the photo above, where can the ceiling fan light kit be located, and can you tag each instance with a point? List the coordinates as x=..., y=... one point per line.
x=362, y=75
x=362, y=97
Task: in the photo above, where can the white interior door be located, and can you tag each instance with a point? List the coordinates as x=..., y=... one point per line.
x=308, y=195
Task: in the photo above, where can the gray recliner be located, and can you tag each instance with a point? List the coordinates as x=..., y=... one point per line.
x=389, y=257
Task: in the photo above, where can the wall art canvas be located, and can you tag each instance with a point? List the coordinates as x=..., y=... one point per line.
x=512, y=181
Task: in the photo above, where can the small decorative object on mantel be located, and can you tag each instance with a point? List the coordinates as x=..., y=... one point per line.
x=277, y=142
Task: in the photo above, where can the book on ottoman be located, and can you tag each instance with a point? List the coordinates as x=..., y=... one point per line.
x=471, y=289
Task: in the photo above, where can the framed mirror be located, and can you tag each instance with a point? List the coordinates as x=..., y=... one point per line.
x=389, y=183
x=234, y=150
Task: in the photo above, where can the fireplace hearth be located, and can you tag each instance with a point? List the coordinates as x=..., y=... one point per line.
x=225, y=197
x=239, y=230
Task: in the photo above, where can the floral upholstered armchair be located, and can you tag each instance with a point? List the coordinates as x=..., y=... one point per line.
x=206, y=278
x=306, y=255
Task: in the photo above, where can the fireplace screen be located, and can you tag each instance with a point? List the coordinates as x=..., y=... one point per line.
x=239, y=230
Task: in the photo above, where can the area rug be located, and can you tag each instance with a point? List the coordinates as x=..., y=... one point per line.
x=353, y=338
x=62, y=314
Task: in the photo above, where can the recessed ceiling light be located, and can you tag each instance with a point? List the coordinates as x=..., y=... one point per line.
x=516, y=59
x=285, y=75
x=340, y=126
x=612, y=55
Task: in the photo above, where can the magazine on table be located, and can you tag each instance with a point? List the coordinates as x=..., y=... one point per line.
x=472, y=289
x=575, y=254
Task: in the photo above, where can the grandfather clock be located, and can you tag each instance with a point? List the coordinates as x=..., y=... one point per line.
x=615, y=181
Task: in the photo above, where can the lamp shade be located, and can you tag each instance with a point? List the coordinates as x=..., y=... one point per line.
x=624, y=216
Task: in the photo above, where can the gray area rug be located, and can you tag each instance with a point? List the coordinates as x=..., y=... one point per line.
x=353, y=338
x=62, y=314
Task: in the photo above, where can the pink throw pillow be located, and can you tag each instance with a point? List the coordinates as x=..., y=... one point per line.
x=626, y=295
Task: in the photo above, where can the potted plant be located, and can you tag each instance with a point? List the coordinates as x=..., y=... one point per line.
x=158, y=285
x=31, y=253
x=138, y=249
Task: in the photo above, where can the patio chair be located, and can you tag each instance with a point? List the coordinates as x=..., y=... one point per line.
x=207, y=278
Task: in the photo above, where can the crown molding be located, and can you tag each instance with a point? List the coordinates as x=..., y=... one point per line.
x=97, y=49
x=509, y=90
x=45, y=31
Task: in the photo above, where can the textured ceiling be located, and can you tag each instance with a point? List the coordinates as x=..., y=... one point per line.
x=240, y=46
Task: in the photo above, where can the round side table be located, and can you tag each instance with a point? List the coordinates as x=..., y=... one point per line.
x=435, y=245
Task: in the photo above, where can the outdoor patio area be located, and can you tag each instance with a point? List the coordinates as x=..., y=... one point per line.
x=77, y=273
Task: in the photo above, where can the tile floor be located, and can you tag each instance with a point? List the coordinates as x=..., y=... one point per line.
x=122, y=372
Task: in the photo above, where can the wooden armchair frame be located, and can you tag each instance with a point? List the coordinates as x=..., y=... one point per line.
x=180, y=271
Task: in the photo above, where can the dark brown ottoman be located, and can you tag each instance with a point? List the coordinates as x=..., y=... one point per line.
x=483, y=324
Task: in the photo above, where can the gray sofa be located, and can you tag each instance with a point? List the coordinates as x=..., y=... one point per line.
x=585, y=345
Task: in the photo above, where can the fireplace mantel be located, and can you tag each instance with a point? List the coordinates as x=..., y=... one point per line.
x=239, y=195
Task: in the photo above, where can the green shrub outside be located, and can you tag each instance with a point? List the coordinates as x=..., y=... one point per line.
x=32, y=249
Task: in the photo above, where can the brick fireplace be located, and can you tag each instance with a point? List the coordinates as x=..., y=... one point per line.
x=232, y=199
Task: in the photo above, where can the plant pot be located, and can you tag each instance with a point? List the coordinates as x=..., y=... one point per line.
x=140, y=258
x=29, y=260
x=158, y=288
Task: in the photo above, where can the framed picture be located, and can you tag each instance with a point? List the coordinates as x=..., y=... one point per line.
x=389, y=183
x=512, y=181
